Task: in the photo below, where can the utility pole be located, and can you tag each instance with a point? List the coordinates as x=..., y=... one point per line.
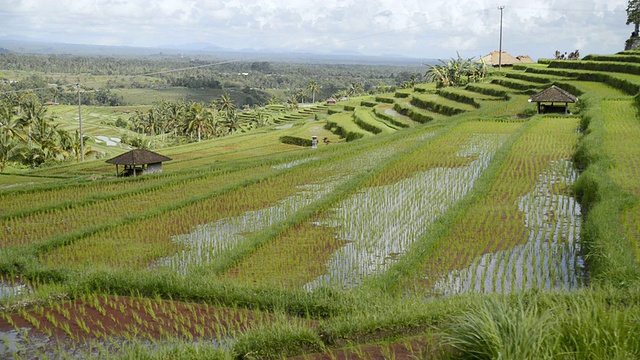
x=500, y=49
x=80, y=126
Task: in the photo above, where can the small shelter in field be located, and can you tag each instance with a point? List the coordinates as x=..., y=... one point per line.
x=494, y=59
x=553, y=100
x=137, y=162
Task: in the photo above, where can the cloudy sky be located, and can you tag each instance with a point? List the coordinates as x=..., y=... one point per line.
x=414, y=28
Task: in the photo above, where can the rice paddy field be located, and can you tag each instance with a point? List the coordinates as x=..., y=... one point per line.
x=426, y=228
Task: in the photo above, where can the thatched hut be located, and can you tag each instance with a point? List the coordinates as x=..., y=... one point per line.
x=551, y=100
x=494, y=59
x=138, y=162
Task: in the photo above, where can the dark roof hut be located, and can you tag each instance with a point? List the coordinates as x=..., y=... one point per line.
x=553, y=95
x=138, y=162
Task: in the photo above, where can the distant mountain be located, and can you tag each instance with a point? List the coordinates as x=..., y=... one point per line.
x=193, y=49
x=4, y=51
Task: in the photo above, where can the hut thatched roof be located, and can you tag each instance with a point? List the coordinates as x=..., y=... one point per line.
x=554, y=94
x=525, y=59
x=493, y=59
x=138, y=157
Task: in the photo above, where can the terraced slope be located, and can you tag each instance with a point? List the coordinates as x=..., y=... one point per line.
x=277, y=250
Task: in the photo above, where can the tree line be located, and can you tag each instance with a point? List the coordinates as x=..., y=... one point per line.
x=261, y=79
x=31, y=138
x=194, y=121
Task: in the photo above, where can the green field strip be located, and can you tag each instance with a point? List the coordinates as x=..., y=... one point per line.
x=387, y=113
x=489, y=89
x=518, y=85
x=598, y=89
x=622, y=57
x=419, y=115
x=605, y=66
x=620, y=143
x=425, y=88
x=342, y=125
x=516, y=108
x=628, y=83
x=77, y=217
x=533, y=78
x=365, y=119
x=435, y=103
x=472, y=94
x=49, y=197
x=622, y=129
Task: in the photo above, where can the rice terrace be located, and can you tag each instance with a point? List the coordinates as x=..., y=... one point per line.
x=439, y=219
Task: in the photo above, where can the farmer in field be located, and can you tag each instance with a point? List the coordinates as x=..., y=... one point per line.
x=314, y=142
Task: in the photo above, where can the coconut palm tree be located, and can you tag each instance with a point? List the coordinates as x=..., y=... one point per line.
x=355, y=89
x=30, y=110
x=300, y=94
x=55, y=92
x=197, y=119
x=313, y=88
x=12, y=136
x=75, y=147
x=226, y=105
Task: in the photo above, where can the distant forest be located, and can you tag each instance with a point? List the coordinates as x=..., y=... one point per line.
x=254, y=83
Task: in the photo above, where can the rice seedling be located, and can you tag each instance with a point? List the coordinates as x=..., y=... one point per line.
x=524, y=232
x=550, y=259
x=380, y=222
x=41, y=226
x=210, y=240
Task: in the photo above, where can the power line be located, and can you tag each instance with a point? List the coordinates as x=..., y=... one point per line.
x=567, y=9
x=189, y=68
x=25, y=90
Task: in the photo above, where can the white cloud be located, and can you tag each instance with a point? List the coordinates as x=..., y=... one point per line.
x=421, y=28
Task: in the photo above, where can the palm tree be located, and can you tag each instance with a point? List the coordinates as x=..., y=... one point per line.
x=313, y=87
x=30, y=110
x=293, y=101
x=197, y=118
x=12, y=137
x=355, y=89
x=340, y=94
x=261, y=119
x=55, y=92
x=212, y=124
x=382, y=87
x=226, y=105
x=10, y=126
x=300, y=94
x=75, y=147
x=456, y=72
